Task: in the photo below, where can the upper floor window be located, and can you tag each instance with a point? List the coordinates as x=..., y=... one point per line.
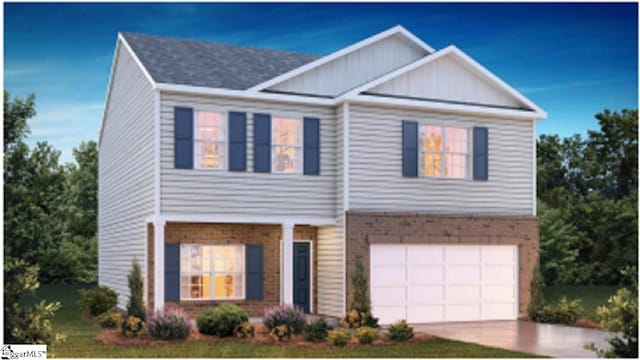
x=210, y=140
x=444, y=151
x=286, y=145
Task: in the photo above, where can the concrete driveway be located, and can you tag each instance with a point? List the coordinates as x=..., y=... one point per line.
x=543, y=339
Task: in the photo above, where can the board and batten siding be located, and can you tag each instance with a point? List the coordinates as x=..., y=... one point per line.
x=223, y=192
x=354, y=69
x=446, y=78
x=125, y=175
x=331, y=246
x=377, y=184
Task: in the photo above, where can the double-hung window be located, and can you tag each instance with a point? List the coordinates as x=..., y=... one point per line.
x=212, y=272
x=444, y=151
x=210, y=140
x=286, y=145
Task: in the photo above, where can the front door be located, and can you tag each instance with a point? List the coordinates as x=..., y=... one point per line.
x=302, y=275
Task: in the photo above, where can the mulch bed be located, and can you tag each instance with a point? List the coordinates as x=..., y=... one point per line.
x=115, y=337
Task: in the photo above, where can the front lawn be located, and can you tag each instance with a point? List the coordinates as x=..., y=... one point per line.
x=591, y=296
x=81, y=333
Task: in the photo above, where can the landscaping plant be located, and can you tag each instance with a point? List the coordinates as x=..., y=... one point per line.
x=359, y=313
x=288, y=315
x=339, y=337
x=316, y=330
x=171, y=324
x=366, y=335
x=562, y=312
x=135, y=306
x=110, y=319
x=98, y=300
x=245, y=330
x=536, y=302
x=281, y=332
x=400, y=331
x=222, y=320
x=133, y=327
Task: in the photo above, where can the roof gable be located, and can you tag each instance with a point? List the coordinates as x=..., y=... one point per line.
x=208, y=64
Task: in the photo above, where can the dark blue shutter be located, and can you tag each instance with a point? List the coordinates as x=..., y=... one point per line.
x=183, y=138
x=237, y=141
x=480, y=153
x=172, y=272
x=253, y=265
x=410, y=148
x=311, y=146
x=261, y=143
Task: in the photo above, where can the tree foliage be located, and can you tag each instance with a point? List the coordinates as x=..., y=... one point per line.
x=588, y=196
x=135, y=306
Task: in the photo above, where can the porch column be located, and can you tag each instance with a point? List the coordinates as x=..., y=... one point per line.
x=158, y=264
x=287, y=263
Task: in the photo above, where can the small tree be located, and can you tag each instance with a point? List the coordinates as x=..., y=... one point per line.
x=135, y=306
x=536, y=303
x=360, y=299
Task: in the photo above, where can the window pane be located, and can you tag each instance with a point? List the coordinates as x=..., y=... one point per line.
x=209, y=126
x=192, y=286
x=287, y=132
x=431, y=138
x=456, y=166
x=432, y=164
x=228, y=286
x=456, y=139
x=286, y=159
x=210, y=154
x=228, y=259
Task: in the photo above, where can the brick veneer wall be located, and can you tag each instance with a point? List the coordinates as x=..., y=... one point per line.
x=365, y=228
x=207, y=233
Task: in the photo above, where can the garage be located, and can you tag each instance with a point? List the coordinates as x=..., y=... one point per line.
x=437, y=283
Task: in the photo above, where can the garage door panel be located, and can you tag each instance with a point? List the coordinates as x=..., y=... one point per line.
x=421, y=254
x=462, y=255
x=462, y=274
x=420, y=294
x=426, y=274
x=498, y=311
x=389, y=314
x=498, y=255
x=499, y=274
x=462, y=292
x=498, y=292
x=426, y=313
x=389, y=276
x=462, y=312
x=389, y=255
x=389, y=296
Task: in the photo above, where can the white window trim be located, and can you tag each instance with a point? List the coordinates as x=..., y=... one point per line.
x=468, y=154
x=225, y=126
x=244, y=275
x=273, y=145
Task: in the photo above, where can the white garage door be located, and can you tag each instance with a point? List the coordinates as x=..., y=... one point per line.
x=431, y=283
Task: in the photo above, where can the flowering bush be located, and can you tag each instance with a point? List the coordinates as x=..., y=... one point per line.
x=245, y=330
x=339, y=337
x=288, y=315
x=355, y=319
x=133, y=327
x=366, y=335
x=281, y=332
x=170, y=324
x=111, y=319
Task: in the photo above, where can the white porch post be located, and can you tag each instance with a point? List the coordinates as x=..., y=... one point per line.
x=158, y=264
x=287, y=263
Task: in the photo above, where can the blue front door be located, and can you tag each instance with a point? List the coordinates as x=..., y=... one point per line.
x=302, y=276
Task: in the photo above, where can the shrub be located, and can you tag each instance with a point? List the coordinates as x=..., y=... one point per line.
x=400, y=331
x=281, y=332
x=316, y=330
x=620, y=315
x=354, y=319
x=111, y=319
x=222, y=320
x=171, y=324
x=98, y=300
x=536, y=303
x=133, y=327
x=245, y=330
x=360, y=307
x=562, y=312
x=366, y=335
x=135, y=306
x=339, y=337
x=288, y=315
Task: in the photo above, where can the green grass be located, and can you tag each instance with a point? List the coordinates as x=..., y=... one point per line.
x=81, y=332
x=591, y=296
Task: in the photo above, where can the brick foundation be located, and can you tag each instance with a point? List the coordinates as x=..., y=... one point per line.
x=365, y=228
x=268, y=236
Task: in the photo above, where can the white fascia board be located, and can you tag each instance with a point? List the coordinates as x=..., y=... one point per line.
x=446, y=107
x=240, y=219
x=136, y=59
x=243, y=94
x=344, y=51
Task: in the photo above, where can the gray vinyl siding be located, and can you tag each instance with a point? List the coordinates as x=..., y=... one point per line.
x=211, y=192
x=377, y=184
x=354, y=69
x=125, y=175
x=331, y=250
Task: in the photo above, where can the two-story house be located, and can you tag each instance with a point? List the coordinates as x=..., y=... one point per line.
x=260, y=177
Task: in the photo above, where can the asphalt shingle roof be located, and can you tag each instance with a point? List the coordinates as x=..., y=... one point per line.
x=201, y=63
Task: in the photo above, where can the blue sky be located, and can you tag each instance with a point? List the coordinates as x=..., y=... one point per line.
x=573, y=60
